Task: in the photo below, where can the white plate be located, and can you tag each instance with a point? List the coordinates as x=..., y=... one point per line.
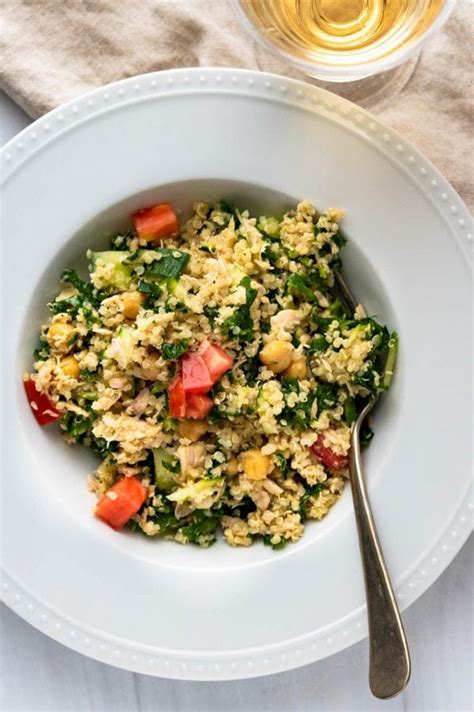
x=180, y=612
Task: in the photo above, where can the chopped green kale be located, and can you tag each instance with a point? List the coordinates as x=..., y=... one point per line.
x=318, y=345
x=171, y=265
x=211, y=313
x=153, y=292
x=171, y=352
x=121, y=241
x=42, y=352
x=310, y=491
x=350, y=410
x=326, y=396
x=76, y=425
x=267, y=540
x=297, y=416
x=297, y=285
x=204, y=524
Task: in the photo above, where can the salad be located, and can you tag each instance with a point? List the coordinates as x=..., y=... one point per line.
x=213, y=369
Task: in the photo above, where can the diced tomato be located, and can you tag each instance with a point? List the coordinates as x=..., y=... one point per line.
x=327, y=456
x=177, y=397
x=121, y=502
x=216, y=359
x=195, y=374
x=156, y=222
x=42, y=407
x=198, y=406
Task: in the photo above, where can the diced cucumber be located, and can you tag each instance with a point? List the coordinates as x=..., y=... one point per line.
x=169, y=424
x=121, y=275
x=198, y=493
x=114, y=256
x=164, y=478
x=162, y=264
x=270, y=226
x=177, y=289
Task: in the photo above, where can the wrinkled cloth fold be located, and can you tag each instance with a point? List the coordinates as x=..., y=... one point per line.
x=54, y=50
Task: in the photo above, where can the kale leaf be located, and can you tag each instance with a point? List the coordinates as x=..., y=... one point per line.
x=203, y=524
x=299, y=415
x=231, y=210
x=76, y=425
x=282, y=463
x=42, y=352
x=297, y=285
x=267, y=540
x=158, y=388
x=326, y=396
x=350, y=410
x=251, y=368
x=171, y=352
x=86, y=300
x=121, y=240
x=153, y=292
x=166, y=521
x=318, y=345
x=211, y=313
x=103, y=447
x=242, y=509
x=171, y=265
x=310, y=491
x=88, y=375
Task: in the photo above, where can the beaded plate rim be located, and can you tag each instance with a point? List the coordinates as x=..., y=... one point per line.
x=311, y=647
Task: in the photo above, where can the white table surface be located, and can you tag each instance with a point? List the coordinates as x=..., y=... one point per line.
x=38, y=674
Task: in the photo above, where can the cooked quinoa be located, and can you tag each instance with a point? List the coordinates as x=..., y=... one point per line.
x=263, y=447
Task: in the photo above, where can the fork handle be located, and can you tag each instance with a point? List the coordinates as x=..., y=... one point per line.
x=389, y=661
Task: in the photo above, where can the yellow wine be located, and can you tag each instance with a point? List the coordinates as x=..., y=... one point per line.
x=335, y=30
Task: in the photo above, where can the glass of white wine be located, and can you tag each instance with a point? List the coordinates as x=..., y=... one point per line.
x=343, y=40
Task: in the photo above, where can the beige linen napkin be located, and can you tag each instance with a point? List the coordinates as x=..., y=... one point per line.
x=53, y=50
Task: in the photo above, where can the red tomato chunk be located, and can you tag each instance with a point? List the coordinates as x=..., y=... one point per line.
x=41, y=406
x=199, y=372
x=329, y=458
x=157, y=222
x=198, y=406
x=196, y=376
x=121, y=502
x=177, y=398
x=216, y=359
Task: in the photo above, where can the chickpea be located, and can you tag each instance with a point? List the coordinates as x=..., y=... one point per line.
x=61, y=336
x=192, y=429
x=70, y=367
x=131, y=304
x=256, y=466
x=232, y=467
x=277, y=355
x=296, y=369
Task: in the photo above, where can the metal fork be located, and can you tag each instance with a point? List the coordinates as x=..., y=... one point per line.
x=389, y=661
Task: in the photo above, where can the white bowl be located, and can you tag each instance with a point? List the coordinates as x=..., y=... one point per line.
x=265, y=142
